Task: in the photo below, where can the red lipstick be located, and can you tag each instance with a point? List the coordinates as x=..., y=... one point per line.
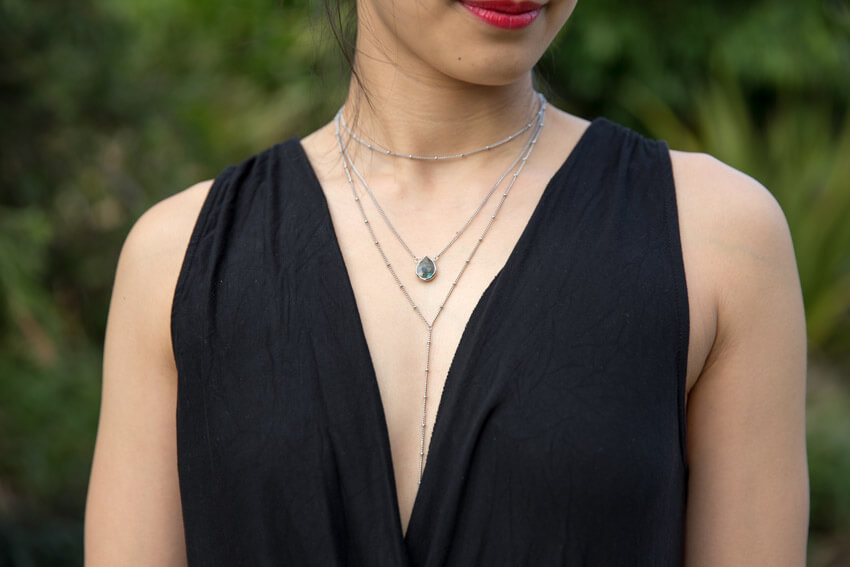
x=503, y=13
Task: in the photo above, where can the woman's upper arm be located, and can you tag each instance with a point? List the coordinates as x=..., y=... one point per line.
x=133, y=513
x=748, y=484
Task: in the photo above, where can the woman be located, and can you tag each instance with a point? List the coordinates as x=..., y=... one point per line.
x=596, y=406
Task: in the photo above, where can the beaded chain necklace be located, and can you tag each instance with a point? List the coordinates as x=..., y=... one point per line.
x=518, y=163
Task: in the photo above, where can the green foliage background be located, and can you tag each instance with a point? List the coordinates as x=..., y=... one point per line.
x=107, y=106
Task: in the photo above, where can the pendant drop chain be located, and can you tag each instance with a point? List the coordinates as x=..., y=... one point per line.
x=348, y=166
x=426, y=266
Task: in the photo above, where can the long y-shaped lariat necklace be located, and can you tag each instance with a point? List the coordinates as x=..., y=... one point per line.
x=518, y=164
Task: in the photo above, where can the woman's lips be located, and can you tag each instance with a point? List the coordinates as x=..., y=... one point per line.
x=503, y=14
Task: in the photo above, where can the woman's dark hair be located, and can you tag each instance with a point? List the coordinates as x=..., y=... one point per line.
x=342, y=20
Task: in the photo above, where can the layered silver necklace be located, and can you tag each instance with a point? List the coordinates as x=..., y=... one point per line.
x=518, y=163
x=426, y=266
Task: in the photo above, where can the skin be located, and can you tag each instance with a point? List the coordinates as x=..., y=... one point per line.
x=439, y=82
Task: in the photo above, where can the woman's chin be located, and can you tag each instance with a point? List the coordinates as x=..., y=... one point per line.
x=492, y=72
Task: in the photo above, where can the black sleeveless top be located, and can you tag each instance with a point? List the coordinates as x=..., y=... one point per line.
x=560, y=433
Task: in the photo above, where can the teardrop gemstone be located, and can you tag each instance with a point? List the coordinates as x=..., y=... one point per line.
x=426, y=269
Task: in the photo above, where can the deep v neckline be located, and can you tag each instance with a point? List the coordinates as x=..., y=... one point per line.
x=466, y=342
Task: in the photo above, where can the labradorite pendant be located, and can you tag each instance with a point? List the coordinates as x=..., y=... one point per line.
x=426, y=269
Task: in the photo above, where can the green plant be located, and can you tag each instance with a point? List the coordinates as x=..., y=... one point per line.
x=828, y=438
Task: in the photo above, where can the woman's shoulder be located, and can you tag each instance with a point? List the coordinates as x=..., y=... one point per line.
x=162, y=233
x=153, y=252
x=728, y=208
x=736, y=246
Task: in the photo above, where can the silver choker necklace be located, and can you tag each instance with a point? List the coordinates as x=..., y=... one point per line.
x=379, y=149
x=426, y=266
x=429, y=325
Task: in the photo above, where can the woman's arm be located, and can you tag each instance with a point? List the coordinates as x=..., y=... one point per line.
x=133, y=513
x=748, y=486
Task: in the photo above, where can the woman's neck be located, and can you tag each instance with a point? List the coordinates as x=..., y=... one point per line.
x=409, y=115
